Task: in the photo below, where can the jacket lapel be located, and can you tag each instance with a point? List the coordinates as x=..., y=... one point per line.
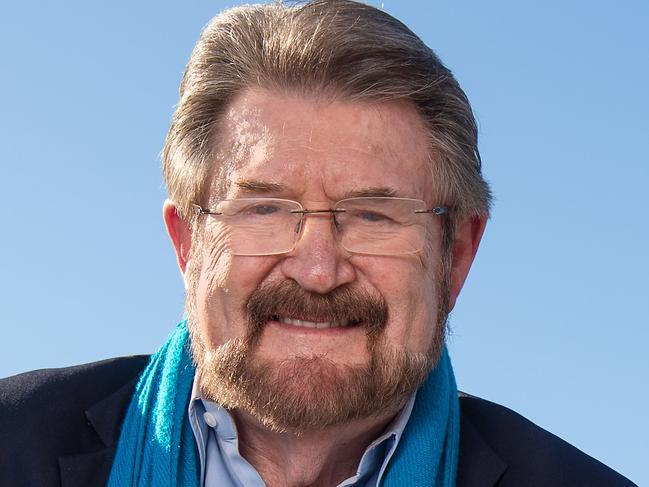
x=87, y=469
x=479, y=465
x=91, y=469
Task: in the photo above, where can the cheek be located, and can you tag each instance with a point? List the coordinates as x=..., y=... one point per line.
x=223, y=290
x=411, y=292
x=420, y=316
x=211, y=293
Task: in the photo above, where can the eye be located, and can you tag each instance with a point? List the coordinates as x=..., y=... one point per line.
x=263, y=210
x=257, y=211
x=371, y=216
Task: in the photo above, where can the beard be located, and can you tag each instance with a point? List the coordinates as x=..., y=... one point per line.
x=306, y=393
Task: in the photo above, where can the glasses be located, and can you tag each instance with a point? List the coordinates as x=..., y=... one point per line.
x=366, y=225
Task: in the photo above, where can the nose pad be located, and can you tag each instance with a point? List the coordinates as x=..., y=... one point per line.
x=335, y=223
x=317, y=262
x=299, y=226
x=319, y=231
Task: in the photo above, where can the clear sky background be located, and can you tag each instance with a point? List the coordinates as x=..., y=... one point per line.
x=553, y=321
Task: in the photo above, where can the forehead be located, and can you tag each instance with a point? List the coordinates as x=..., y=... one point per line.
x=310, y=148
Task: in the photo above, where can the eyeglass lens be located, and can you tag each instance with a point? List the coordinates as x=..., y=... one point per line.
x=379, y=226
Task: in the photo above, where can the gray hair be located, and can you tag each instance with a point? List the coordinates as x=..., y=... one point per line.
x=336, y=48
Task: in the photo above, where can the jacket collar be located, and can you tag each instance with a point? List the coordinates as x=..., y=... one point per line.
x=479, y=465
x=90, y=469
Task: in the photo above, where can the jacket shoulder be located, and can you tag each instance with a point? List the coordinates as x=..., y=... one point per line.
x=534, y=456
x=76, y=387
x=43, y=416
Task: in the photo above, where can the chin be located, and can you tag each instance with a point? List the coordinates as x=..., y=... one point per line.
x=306, y=392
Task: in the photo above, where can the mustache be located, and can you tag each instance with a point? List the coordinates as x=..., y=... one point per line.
x=288, y=298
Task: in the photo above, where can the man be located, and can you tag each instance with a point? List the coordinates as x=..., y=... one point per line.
x=325, y=206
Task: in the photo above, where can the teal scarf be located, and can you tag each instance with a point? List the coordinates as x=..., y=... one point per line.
x=157, y=446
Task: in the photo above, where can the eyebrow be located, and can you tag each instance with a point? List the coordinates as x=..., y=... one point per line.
x=373, y=191
x=261, y=187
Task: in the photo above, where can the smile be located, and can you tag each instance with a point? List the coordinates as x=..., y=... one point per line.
x=314, y=324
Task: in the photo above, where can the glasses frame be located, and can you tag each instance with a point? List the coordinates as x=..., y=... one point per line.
x=437, y=210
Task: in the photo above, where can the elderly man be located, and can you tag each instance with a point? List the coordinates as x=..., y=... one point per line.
x=325, y=206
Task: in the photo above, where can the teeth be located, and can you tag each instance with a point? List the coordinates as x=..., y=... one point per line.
x=311, y=324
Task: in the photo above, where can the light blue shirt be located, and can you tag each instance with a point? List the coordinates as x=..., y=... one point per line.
x=223, y=466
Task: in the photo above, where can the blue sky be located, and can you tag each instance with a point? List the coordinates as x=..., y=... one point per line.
x=553, y=319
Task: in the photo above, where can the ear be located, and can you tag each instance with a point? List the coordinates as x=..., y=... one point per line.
x=180, y=233
x=465, y=246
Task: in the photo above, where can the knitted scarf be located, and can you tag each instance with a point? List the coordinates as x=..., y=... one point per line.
x=157, y=447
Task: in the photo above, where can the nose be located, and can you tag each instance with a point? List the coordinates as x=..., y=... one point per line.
x=318, y=262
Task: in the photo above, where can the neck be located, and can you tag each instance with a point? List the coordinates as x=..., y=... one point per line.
x=313, y=458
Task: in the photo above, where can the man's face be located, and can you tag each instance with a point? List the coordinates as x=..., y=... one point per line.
x=316, y=153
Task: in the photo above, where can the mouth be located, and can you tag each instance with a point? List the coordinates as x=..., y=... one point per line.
x=316, y=323
x=285, y=305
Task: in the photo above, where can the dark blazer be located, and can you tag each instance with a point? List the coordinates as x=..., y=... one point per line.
x=59, y=427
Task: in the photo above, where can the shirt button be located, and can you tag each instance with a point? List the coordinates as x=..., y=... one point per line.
x=209, y=419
